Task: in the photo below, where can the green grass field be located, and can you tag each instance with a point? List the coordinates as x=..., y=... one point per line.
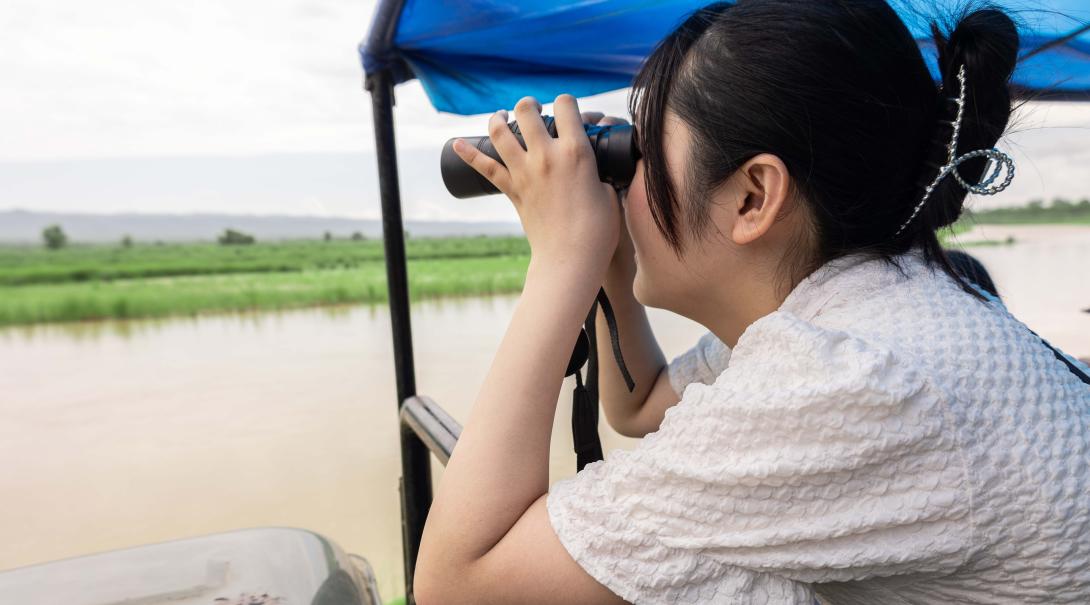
x=89, y=282
x=27, y=265
x=98, y=282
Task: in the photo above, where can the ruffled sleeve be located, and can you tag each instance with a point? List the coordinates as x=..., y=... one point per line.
x=814, y=457
x=703, y=363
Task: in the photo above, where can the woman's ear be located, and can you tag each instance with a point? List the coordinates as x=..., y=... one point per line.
x=763, y=185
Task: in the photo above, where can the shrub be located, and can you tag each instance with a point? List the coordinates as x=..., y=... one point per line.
x=230, y=237
x=54, y=237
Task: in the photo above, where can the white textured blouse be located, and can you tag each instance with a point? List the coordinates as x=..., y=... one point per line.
x=882, y=438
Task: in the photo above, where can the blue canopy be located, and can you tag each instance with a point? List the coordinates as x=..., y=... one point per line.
x=475, y=56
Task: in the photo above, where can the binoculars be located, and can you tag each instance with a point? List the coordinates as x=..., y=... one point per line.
x=614, y=145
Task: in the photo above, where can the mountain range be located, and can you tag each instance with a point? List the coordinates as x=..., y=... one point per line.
x=24, y=227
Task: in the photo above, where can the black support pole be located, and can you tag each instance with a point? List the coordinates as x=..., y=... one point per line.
x=415, y=483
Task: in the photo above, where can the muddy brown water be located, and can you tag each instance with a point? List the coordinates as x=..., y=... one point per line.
x=115, y=434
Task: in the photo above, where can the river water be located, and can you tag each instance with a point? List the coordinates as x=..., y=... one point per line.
x=121, y=433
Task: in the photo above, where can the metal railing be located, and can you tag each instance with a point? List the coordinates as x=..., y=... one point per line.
x=425, y=429
x=423, y=425
x=432, y=425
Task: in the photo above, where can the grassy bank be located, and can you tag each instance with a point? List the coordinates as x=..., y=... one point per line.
x=29, y=265
x=98, y=282
x=1057, y=212
x=190, y=295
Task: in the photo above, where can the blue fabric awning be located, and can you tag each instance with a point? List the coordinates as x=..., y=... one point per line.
x=476, y=56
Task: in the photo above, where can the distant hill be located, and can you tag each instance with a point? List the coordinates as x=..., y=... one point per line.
x=20, y=226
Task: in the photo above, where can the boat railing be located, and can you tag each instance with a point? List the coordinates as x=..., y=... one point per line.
x=426, y=430
x=432, y=425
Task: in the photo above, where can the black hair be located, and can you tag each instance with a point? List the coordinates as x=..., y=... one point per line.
x=839, y=90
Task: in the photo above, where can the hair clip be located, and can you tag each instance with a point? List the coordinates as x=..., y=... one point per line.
x=997, y=161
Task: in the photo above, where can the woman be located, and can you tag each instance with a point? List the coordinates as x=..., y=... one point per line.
x=858, y=425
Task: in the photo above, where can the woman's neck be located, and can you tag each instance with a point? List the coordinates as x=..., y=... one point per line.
x=727, y=312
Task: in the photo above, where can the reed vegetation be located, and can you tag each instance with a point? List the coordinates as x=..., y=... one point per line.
x=98, y=282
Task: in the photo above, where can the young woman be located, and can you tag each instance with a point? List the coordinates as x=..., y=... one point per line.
x=859, y=424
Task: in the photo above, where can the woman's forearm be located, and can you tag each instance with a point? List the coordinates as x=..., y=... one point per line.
x=501, y=463
x=642, y=355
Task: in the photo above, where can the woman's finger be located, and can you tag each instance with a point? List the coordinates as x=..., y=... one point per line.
x=591, y=117
x=503, y=140
x=489, y=168
x=611, y=121
x=569, y=125
x=531, y=124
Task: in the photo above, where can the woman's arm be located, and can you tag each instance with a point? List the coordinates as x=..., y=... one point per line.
x=636, y=413
x=487, y=538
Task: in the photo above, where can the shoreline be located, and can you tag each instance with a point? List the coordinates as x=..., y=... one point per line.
x=69, y=285
x=997, y=234
x=193, y=297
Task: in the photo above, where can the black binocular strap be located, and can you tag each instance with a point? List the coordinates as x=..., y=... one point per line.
x=584, y=417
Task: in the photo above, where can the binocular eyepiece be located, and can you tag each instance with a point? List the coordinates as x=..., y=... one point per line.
x=614, y=147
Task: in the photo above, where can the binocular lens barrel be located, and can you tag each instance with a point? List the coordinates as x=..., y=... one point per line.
x=614, y=147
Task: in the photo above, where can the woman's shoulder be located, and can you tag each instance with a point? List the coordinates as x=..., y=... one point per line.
x=909, y=307
x=929, y=321
x=870, y=290
x=785, y=363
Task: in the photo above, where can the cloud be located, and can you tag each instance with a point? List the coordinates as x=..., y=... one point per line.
x=247, y=85
x=158, y=77
x=111, y=79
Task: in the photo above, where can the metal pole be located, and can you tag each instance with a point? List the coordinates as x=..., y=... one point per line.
x=415, y=482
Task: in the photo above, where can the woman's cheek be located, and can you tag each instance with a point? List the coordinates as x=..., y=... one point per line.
x=636, y=217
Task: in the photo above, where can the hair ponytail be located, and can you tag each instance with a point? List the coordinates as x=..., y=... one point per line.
x=985, y=41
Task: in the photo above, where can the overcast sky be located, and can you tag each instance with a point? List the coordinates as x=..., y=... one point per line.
x=256, y=106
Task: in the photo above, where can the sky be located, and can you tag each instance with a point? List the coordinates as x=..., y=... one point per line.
x=257, y=107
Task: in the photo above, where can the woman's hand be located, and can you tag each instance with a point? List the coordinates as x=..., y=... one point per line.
x=622, y=265
x=571, y=218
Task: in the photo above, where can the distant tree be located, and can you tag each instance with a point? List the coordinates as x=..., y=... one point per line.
x=327, y=236
x=126, y=241
x=357, y=236
x=54, y=237
x=230, y=237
